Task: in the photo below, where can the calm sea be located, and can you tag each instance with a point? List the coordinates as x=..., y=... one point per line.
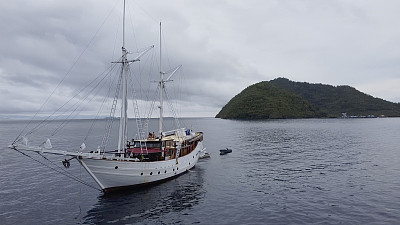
x=311, y=171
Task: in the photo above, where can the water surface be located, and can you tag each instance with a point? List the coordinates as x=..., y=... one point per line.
x=322, y=171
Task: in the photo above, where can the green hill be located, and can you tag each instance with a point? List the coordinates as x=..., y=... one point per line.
x=282, y=98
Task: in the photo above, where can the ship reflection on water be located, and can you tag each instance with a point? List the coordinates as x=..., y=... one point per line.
x=149, y=203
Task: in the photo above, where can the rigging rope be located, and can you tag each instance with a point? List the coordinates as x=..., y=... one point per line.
x=147, y=93
x=42, y=123
x=139, y=125
x=65, y=76
x=63, y=172
x=110, y=119
x=152, y=105
x=175, y=115
x=101, y=108
x=78, y=104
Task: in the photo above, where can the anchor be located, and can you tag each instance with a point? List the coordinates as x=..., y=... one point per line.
x=66, y=162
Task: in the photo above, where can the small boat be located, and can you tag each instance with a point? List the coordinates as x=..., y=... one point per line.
x=204, y=154
x=225, y=151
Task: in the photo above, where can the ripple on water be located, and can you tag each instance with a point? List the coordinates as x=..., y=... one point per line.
x=280, y=172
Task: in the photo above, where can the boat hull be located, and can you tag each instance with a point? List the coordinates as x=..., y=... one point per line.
x=115, y=174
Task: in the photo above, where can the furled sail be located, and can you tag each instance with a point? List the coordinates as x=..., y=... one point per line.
x=24, y=140
x=47, y=144
x=82, y=147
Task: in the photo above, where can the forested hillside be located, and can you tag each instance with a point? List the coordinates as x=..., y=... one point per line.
x=282, y=98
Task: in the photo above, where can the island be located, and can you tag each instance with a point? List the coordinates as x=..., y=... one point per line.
x=282, y=98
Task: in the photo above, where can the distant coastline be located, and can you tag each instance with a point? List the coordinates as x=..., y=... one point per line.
x=282, y=98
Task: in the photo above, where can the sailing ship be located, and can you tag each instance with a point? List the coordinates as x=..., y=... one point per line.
x=135, y=162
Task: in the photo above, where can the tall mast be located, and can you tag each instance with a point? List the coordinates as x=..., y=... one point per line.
x=124, y=106
x=123, y=28
x=160, y=124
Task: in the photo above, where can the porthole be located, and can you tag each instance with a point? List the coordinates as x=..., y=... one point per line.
x=116, y=167
x=173, y=169
x=141, y=174
x=165, y=171
x=151, y=173
x=158, y=172
x=177, y=168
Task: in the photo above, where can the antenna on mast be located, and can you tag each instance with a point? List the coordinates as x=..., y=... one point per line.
x=123, y=27
x=160, y=51
x=122, y=137
x=160, y=123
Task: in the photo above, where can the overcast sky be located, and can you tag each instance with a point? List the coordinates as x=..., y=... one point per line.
x=224, y=46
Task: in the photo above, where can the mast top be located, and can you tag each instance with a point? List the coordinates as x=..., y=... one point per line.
x=123, y=28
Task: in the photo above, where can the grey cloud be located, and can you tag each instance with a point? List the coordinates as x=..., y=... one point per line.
x=224, y=46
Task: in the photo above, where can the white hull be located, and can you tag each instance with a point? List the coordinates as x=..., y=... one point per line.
x=110, y=174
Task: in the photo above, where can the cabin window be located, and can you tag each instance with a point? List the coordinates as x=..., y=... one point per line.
x=170, y=144
x=136, y=144
x=153, y=144
x=149, y=144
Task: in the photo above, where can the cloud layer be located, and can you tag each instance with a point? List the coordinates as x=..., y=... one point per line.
x=224, y=46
